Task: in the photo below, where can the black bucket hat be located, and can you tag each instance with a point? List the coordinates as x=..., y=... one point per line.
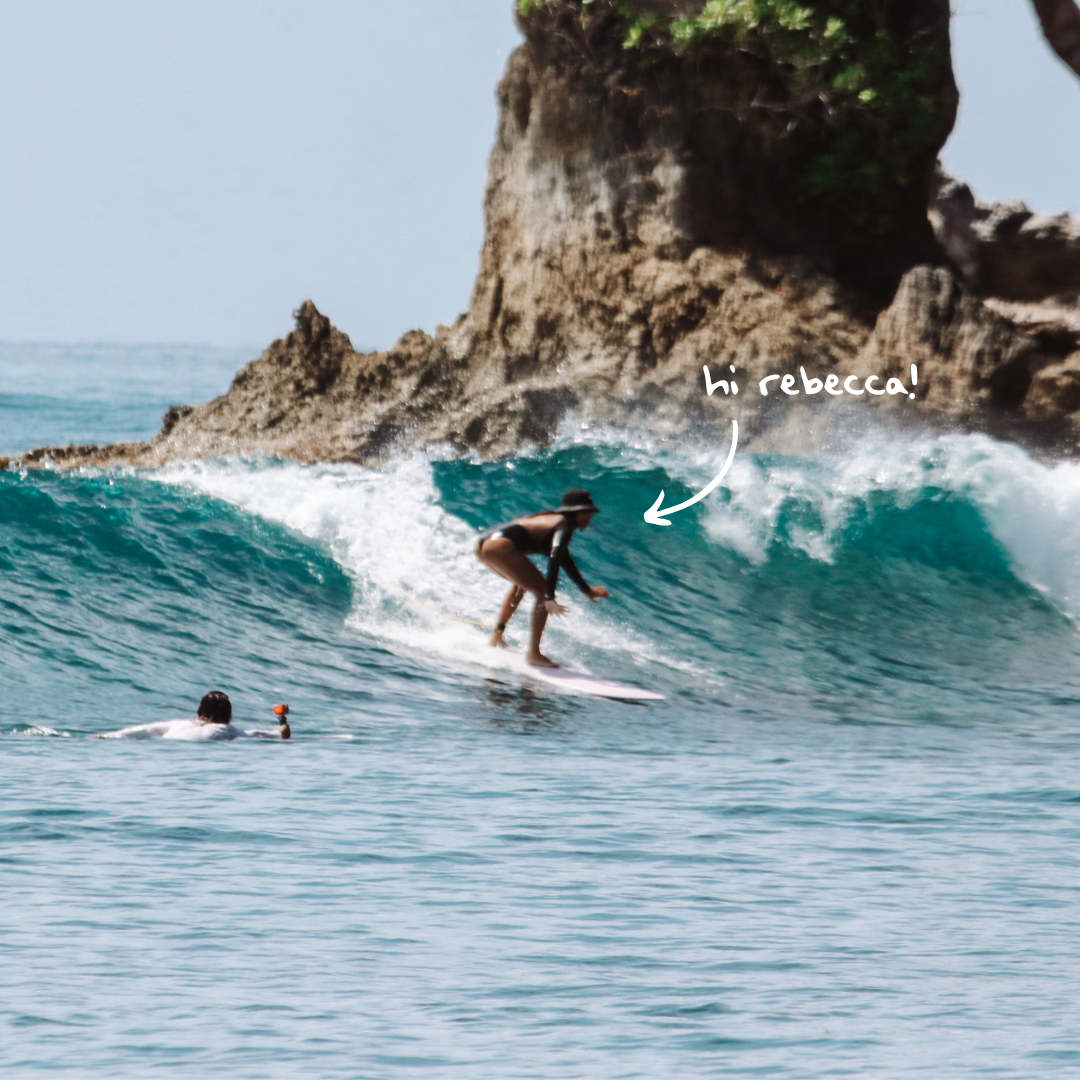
x=577, y=499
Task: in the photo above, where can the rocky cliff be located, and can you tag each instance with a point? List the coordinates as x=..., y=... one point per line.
x=666, y=193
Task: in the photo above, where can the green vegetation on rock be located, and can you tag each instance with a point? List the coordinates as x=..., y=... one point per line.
x=871, y=100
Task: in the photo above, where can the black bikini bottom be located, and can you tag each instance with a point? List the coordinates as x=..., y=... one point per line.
x=518, y=535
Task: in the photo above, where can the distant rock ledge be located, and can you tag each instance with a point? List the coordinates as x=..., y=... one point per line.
x=627, y=245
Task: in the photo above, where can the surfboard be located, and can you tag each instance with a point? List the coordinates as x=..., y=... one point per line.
x=582, y=683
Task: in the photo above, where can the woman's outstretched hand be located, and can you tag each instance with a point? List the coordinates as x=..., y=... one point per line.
x=553, y=607
x=598, y=592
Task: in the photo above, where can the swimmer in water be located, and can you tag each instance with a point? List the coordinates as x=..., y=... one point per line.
x=505, y=549
x=214, y=722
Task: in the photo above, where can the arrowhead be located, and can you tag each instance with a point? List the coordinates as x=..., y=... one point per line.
x=652, y=516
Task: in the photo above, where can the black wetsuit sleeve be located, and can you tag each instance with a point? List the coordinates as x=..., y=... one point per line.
x=572, y=572
x=560, y=557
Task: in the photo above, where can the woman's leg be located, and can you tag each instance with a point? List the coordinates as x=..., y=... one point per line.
x=500, y=555
x=539, y=621
x=506, y=613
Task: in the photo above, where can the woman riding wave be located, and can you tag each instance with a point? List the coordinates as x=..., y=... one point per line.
x=505, y=549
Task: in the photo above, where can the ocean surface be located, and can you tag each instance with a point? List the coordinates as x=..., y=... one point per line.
x=847, y=844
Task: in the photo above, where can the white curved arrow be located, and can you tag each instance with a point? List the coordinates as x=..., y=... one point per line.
x=653, y=514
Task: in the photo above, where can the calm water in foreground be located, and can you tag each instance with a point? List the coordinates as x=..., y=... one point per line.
x=846, y=845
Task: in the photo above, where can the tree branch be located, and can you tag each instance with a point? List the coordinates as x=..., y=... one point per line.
x=1061, y=27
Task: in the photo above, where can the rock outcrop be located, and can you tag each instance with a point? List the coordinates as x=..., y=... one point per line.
x=1004, y=249
x=644, y=219
x=976, y=365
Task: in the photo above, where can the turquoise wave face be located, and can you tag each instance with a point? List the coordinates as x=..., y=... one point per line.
x=128, y=596
x=124, y=599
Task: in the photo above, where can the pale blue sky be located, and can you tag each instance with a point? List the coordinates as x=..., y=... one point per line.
x=189, y=172
x=1018, y=135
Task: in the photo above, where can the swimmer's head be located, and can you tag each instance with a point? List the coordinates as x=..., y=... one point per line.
x=215, y=708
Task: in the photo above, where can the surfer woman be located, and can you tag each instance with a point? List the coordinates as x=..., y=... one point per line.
x=505, y=549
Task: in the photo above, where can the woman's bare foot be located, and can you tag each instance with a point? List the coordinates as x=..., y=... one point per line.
x=496, y=640
x=539, y=660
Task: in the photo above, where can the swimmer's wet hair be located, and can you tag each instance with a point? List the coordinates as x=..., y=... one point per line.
x=215, y=707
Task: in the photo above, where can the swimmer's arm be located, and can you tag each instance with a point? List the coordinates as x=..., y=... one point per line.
x=137, y=731
x=283, y=732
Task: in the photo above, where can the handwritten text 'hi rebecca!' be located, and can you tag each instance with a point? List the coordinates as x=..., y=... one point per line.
x=831, y=384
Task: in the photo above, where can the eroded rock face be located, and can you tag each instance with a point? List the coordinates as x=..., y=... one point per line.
x=970, y=357
x=1004, y=249
x=600, y=147
x=629, y=244
x=635, y=232
x=973, y=363
x=1055, y=392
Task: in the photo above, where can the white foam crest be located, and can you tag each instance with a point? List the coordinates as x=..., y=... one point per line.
x=827, y=489
x=419, y=584
x=1032, y=508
